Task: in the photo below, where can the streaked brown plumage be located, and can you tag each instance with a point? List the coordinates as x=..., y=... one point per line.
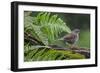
x=72, y=37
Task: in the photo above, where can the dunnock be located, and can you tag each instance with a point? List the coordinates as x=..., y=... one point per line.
x=72, y=37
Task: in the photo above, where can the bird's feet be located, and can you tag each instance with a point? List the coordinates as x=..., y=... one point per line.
x=74, y=47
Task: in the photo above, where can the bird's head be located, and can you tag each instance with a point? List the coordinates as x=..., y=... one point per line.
x=76, y=31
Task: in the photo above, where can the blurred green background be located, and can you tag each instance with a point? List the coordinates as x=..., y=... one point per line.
x=79, y=21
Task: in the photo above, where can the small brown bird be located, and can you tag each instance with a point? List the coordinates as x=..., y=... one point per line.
x=72, y=37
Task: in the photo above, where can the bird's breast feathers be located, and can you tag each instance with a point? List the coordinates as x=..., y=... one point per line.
x=71, y=38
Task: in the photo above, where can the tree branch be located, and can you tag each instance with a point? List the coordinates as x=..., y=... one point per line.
x=83, y=51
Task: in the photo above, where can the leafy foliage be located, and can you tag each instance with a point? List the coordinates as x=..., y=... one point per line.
x=44, y=54
x=46, y=28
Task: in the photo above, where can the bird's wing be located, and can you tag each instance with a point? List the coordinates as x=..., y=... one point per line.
x=69, y=36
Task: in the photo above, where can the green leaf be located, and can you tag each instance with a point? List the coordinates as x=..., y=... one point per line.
x=44, y=54
x=45, y=27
